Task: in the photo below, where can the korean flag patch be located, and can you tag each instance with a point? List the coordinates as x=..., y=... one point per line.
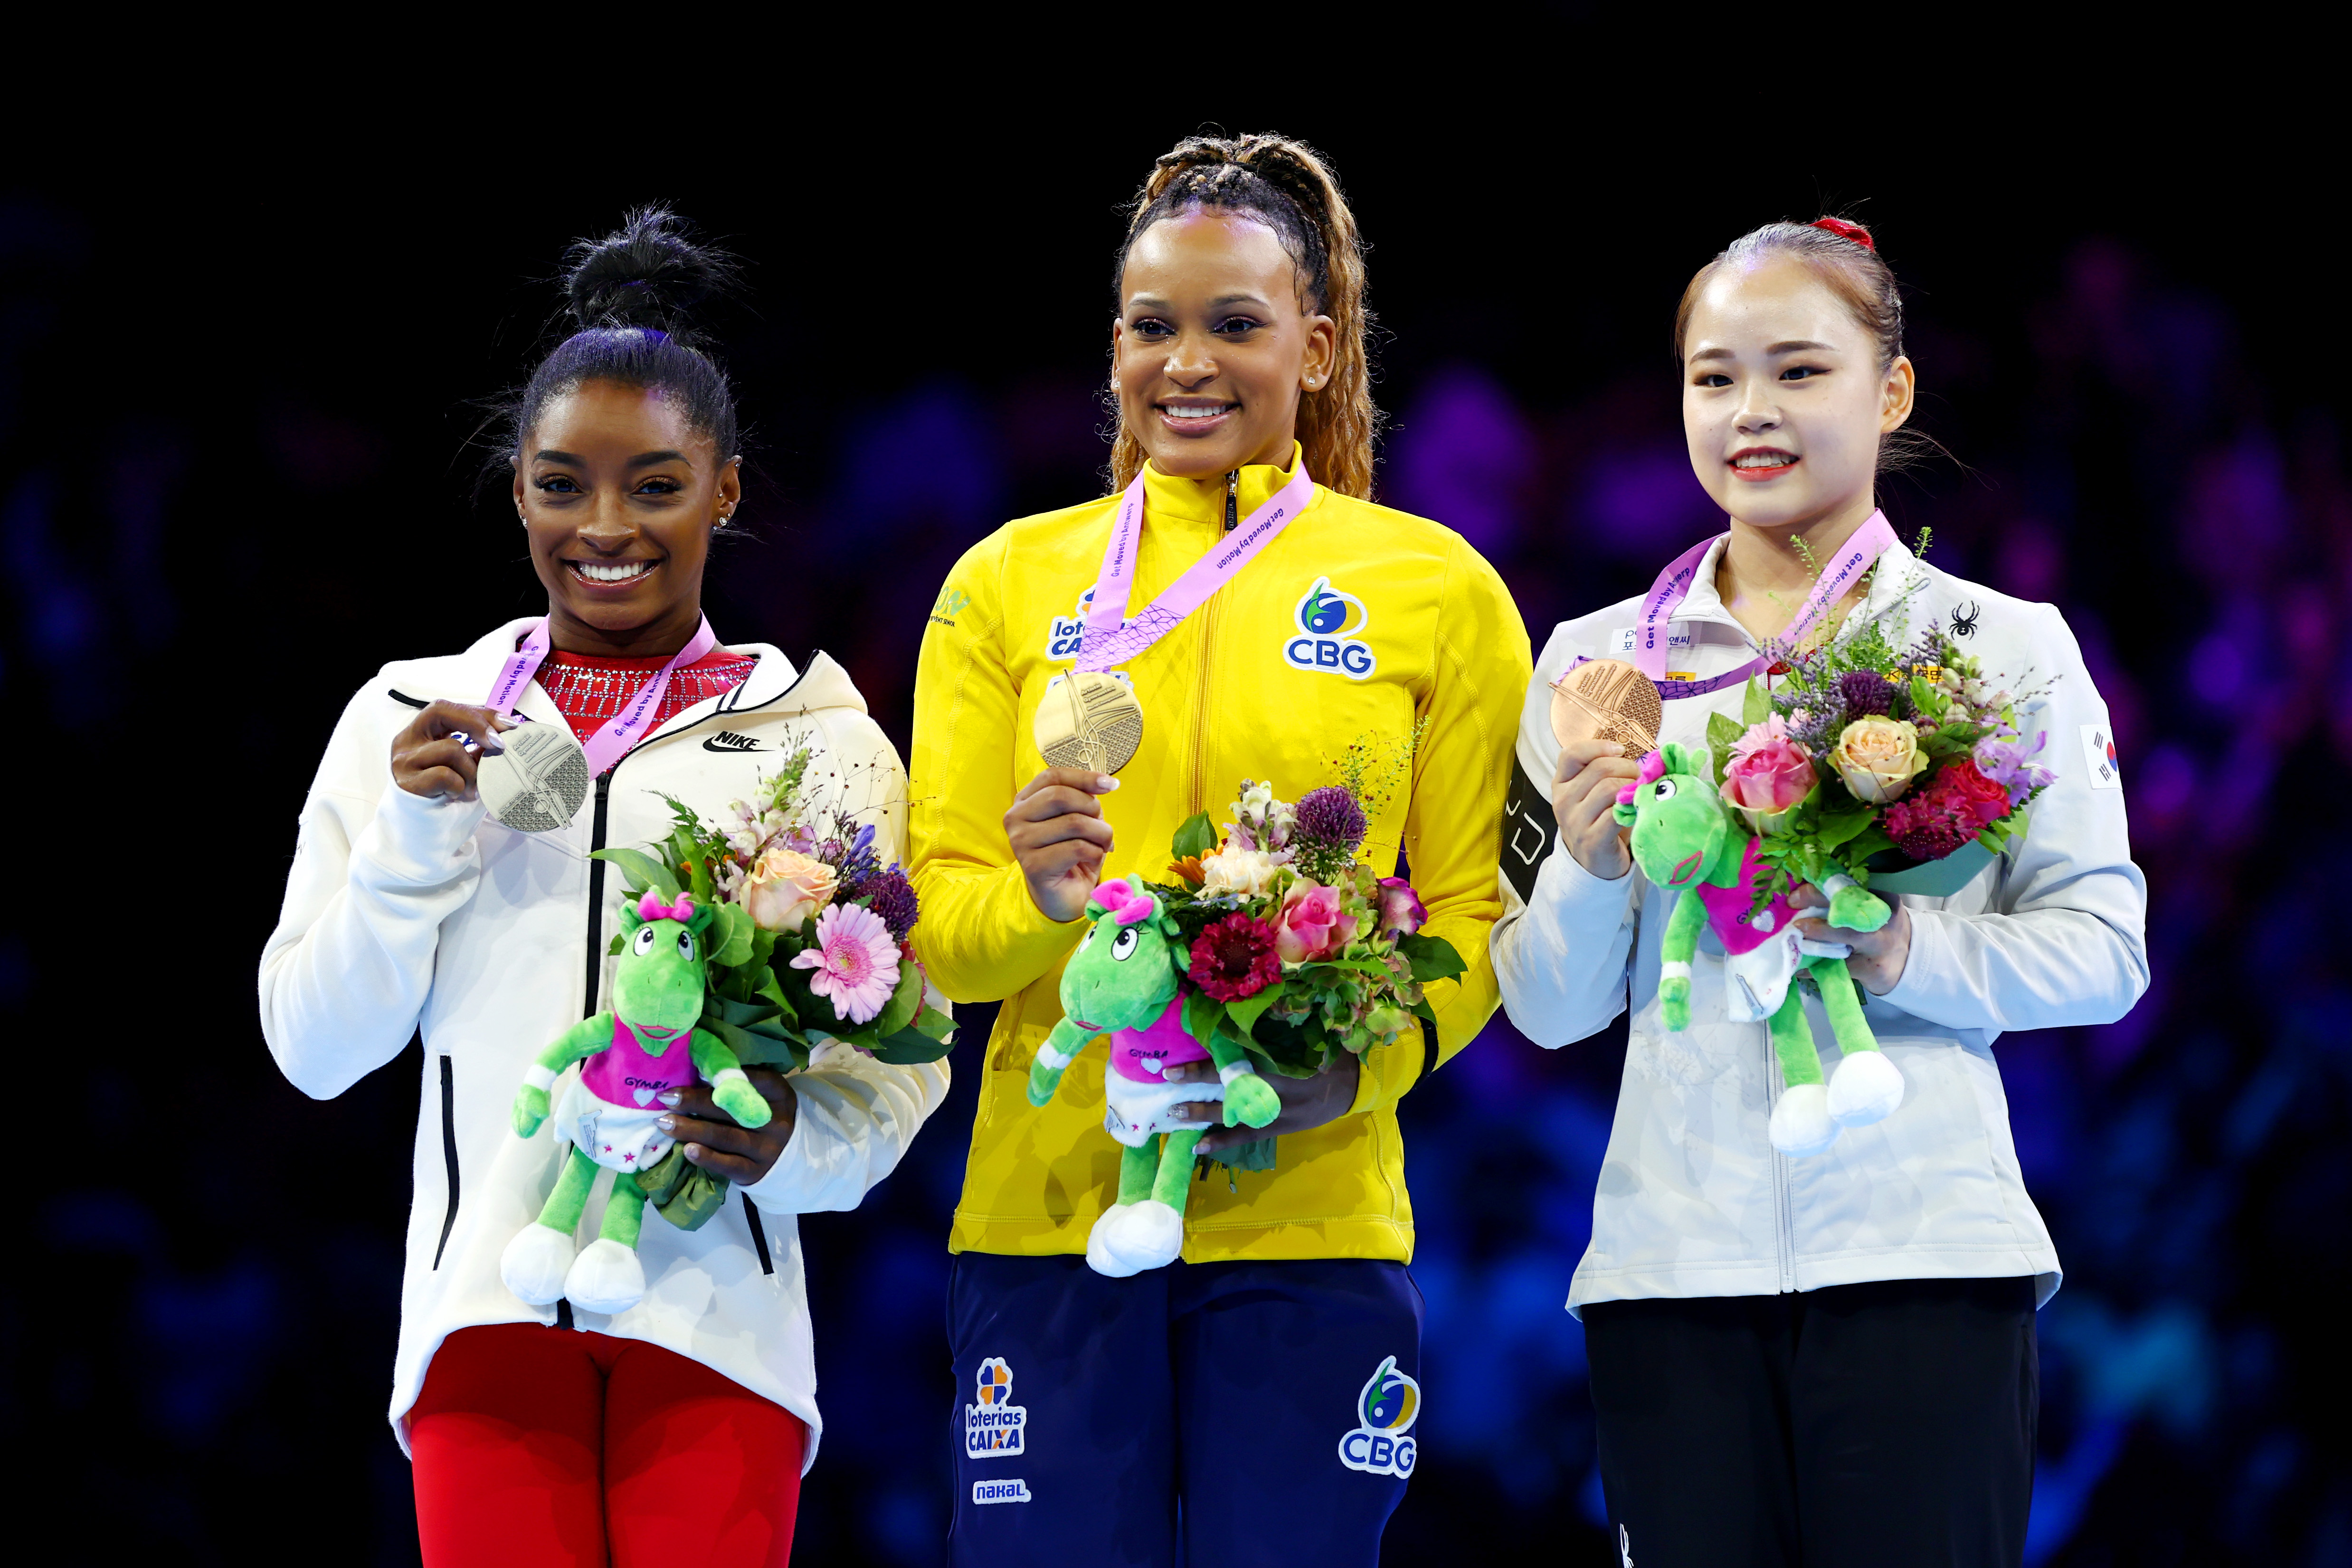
x=2099, y=758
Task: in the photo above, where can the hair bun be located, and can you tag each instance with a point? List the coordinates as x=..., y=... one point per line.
x=1845, y=228
x=648, y=273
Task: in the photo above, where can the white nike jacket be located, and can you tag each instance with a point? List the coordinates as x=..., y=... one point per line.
x=1693, y=1200
x=405, y=914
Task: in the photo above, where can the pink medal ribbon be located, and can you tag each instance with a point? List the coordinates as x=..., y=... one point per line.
x=612, y=741
x=1108, y=640
x=1856, y=555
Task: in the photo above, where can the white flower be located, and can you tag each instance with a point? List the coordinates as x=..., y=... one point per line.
x=1239, y=871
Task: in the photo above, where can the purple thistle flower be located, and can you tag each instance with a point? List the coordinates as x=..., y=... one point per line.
x=1866, y=693
x=891, y=896
x=1331, y=816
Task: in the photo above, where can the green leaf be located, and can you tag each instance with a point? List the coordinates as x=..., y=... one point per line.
x=1202, y=1013
x=1196, y=835
x=756, y=1048
x=1755, y=707
x=1722, y=730
x=1842, y=828
x=732, y=944
x=926, y=1039
x=643, y=870
x=1246, y=1011
x=1431, y=957
x=612, y=950
x=905, y=1001
x=1422, y=1010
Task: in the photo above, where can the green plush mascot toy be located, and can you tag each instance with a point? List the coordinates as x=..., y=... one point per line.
x=610, y=1112
x=1684, y=839
x=1124, y=981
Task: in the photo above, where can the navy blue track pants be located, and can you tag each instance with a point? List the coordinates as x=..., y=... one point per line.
x=1210, y=1414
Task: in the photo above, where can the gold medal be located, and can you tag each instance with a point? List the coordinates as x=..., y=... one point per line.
x=1089, y=719
x=1607, y=699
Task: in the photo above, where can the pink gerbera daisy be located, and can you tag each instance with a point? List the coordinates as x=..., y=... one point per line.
x=856, y=961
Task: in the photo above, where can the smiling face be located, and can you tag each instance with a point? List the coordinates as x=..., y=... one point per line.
x=1212, y=348
x=1783, y=398
x=619, y=496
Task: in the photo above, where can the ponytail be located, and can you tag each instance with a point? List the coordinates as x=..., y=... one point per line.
x=1287, y=186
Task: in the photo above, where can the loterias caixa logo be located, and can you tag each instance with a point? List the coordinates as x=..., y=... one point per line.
x=994, y=1427
x=1385, y=1412
x=1330, y=633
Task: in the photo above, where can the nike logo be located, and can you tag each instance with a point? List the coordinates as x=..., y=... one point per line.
x=728, y=740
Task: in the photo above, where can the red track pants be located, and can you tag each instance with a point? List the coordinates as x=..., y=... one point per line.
x=542, y=1447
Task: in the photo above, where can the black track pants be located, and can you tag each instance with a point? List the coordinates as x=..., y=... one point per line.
x=1887, y=1424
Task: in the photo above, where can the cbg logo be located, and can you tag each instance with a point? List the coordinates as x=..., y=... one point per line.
x=1384, y=1414
x=995, y=1427
x=1332, y=624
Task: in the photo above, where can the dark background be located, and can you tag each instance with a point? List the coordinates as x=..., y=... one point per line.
x=236, y=386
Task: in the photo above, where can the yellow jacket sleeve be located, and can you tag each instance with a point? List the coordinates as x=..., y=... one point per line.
x=1462, y=772
x=981, y=937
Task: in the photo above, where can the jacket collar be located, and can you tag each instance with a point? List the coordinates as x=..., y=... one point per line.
x=824, y=683
x=1203, y=500
x=1888, y=580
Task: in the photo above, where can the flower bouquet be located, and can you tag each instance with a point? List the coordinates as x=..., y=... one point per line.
x=1900, y=768
x=809, y=944
x=1298, y=950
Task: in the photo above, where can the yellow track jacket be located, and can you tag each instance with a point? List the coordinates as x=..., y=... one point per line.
x=1410, y=626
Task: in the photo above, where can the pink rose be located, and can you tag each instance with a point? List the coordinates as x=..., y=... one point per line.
x=1401, y=909
x=1313, y=923
x=1767, y=774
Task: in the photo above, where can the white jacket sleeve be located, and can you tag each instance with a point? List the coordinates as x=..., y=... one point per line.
x=856, y=1118
x=345, y=975
x=2064, y=940
x=1565, y=937
x=857, y=1115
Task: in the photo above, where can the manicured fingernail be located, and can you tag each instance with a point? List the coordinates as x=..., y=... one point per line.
x=666, y=1124
x=1106, y=783
x=669, y=1099
x=694, y=1152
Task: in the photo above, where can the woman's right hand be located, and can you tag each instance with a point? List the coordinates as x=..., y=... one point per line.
x=1584, y=798
x=435, y=755
x=1057, y=832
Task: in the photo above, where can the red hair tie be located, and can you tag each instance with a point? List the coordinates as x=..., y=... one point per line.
x=1844, y=230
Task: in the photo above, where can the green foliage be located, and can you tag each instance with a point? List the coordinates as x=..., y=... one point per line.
x=1755, y=706
x=683, y=1192
x=1432, y=959
x=1722, y=732
x=640, y=870
x=1197, y=835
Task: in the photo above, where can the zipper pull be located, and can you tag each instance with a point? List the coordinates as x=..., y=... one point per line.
x=1233, y=500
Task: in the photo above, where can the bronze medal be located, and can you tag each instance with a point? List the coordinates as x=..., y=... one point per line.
x=1607, y=699
x=1089, y=719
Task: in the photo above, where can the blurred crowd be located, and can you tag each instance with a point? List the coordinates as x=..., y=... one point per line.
x=2116, y=451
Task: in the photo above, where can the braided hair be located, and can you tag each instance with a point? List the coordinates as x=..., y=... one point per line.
x=1286, y=186
x=631, y=299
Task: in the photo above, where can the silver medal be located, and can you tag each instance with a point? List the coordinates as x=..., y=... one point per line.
x=536, y=784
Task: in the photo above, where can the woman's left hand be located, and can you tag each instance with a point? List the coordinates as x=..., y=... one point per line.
x=1879, y=956
x=724, y=1147
x=1305, y=1101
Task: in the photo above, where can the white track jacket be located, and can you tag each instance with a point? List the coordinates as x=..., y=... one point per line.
x=1693, y=1200
x=405, y=914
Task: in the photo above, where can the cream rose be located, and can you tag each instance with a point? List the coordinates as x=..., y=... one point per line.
x=785, y=888
x=1878, y=757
